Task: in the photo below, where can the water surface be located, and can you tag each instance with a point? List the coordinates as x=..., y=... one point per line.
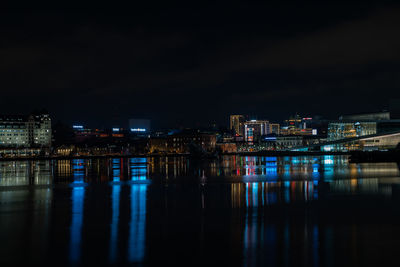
x=240, y=211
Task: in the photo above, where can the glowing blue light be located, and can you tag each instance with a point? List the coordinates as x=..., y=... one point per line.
x=315, y=173
x=137, y=225
x=77, y=198
x=138, y=169
x=138, y=160
x=328, y=167
x=295, y=160
x=328, y=160
x=78, y=195
x=247, y=194
x=255, y=194
x=77, y=126
x=115, y=129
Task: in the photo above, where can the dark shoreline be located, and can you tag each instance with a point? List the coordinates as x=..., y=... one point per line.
x=259, y=153
x=375, y=156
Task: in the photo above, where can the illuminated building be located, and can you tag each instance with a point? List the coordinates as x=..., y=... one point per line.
x=341, y=130
x=139, y=126
x=64, y=150
x=227, y=147
x=254, y=129
x=274, y=128
x=25, y=131
x=380, y=141
x=297, y=131
x=286, y=142
x=298, y=126
x=83, y=134
x=181, y=142
x=294, y=122
x=283, y=142
x=350, y=126
x=236, y=124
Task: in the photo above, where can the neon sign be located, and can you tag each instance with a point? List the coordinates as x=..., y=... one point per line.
x=138, y=130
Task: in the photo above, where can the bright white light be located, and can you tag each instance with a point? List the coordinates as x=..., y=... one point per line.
x=327, y=148
x=115, y=129
x=77, y=126
x=138, y=130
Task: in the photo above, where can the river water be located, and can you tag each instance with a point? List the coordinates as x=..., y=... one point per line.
x=235, y=211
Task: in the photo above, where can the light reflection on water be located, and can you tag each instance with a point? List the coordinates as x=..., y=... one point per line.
x=137, y=225
x=115, y=195
x=77, y=212
x=254, y=194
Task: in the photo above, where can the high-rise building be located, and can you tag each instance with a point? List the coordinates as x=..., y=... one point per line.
x=274, y=128
x=25, y=131
x=294, y=122
x=254, y=129
x=236, y=124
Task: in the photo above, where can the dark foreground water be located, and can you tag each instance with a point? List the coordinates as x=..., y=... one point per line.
x=238, y=211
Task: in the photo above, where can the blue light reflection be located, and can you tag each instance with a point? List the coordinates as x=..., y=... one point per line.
x=77, y=198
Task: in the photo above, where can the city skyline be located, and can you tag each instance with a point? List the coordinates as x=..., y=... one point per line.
x=257, y=133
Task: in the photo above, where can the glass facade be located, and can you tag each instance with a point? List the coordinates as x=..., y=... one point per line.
x=254, y=129
x=342, y=130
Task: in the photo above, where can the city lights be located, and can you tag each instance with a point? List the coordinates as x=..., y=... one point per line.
x=138, y=130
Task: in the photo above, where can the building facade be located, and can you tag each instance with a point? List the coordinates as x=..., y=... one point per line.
x=287, y=142
x=182, y=142
x=254, y=129
x=25, y=131
x=236, y=124
x=345, y=129
x=364, y=143
x=274, y=128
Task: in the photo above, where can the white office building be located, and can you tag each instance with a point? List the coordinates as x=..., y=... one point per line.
x=25, y=131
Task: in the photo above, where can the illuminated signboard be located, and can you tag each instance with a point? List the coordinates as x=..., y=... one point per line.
x=138, y=130
x=77, y=126
x=314, y=131
x=115, y=129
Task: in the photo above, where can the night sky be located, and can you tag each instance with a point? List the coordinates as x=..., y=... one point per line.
x=194, y=65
